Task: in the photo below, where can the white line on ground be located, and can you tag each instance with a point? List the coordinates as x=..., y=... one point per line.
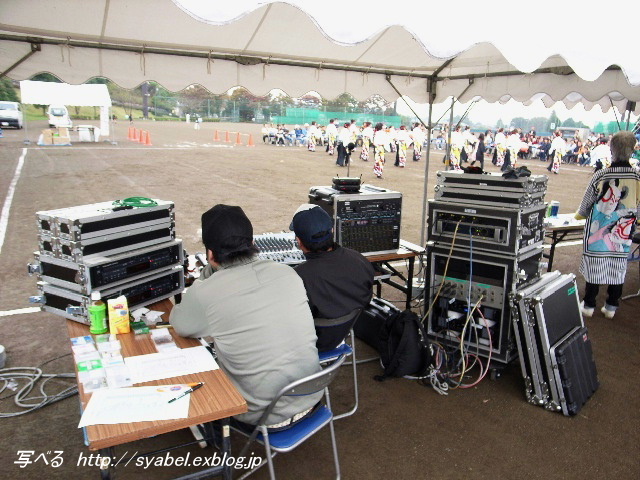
x=185, y=147
x=19, y=311
x=4, y=216
x=566, y=244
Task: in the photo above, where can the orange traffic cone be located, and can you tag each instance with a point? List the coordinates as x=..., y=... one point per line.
x=239, y=139
x=143, y=136
x=136, y=135
x=250, y=143
x=147, y=138
x=130, y=134
x=216, y=137
x=226, y=137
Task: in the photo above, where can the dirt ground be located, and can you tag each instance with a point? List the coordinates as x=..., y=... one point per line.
x=402, y=429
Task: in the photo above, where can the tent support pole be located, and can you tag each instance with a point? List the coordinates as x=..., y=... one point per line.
x=428, y=125
x=615, y=114
x=630, y=107
x=35, y=47
x=464, y=115
x=423, y=225
x=448, y=149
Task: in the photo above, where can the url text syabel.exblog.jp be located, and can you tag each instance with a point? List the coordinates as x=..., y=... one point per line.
x=167, y=460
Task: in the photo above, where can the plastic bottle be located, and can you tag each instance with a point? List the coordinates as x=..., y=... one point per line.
x=97, y=315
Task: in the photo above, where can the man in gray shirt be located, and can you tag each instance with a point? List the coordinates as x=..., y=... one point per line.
x=258, y=315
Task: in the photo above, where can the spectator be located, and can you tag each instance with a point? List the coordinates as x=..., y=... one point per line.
x=601, y=155
x=331, y=136
x=611, y=205
x=557, y=150
x=500, y=148
x=440, y=140
x=479, y=152
x=543, y=151
x=512, y=149
x=584, y=156
x=470, y=141
x=571, y=152
x=344, y=140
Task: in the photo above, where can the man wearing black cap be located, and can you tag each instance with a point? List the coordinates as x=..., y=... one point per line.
x=338, y=279
x=257, y=313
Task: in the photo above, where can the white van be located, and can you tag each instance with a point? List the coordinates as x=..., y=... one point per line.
x=58, y=116
x=10, y=114
x=575, y=132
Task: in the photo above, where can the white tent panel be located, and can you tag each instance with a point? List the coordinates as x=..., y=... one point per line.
x=86, y=95
x=47, y=93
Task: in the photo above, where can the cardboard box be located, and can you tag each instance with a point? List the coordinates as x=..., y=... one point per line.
x=46, y=138
x=63, y=131
x=61, y=140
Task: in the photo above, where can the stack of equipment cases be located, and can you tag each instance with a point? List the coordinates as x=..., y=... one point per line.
x=553, y=344
x=485, y=236
x=110, y=247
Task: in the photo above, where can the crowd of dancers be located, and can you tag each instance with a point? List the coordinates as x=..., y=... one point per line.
x=504, y=147
x=342, y=139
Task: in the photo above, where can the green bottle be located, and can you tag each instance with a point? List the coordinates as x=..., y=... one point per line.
x=97, y=315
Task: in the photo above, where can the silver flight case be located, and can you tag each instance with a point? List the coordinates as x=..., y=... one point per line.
x=102, y=272
x=553, y=344
x=111, y=244
x=80, y=223
x=143, y=291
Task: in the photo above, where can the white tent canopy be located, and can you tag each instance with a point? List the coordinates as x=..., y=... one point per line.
x=51, y=93
x=426, y=51
x=46, y=93
x=267, y=45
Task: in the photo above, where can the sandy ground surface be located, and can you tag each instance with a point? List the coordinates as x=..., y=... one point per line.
x=402, y=429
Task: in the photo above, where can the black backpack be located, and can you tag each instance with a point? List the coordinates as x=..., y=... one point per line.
x=403, y=346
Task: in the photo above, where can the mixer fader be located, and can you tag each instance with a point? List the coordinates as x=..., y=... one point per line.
x=279, y=247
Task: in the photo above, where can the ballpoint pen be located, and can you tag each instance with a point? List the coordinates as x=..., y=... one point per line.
x=193, y=388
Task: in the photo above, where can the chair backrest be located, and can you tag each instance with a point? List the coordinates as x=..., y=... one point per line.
x=306, y=386
x=350, y=318
x=332, y=331
x=314, y=383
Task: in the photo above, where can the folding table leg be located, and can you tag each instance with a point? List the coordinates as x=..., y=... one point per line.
x=106, y=466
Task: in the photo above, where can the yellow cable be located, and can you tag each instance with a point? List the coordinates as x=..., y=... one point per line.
x=444, y=274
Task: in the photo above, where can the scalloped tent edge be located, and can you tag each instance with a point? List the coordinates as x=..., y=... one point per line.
x=79, y=40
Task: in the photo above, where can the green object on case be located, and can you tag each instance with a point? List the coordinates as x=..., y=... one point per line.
x=139, y=328
x=98, y=319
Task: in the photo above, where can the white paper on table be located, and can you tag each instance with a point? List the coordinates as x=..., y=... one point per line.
x=134, y=404
x=170, y=363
